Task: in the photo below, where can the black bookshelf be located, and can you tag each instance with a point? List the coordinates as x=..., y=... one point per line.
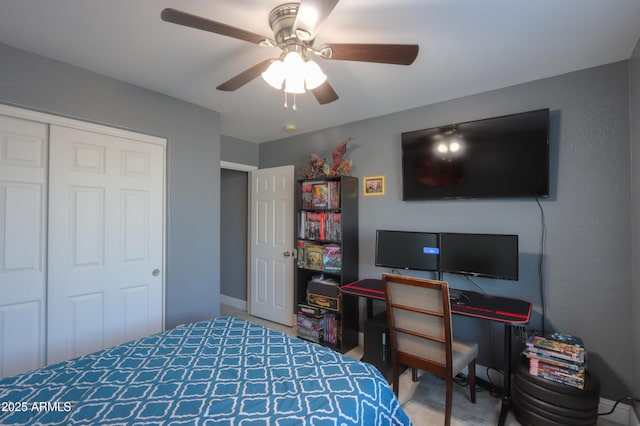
x=342, y=236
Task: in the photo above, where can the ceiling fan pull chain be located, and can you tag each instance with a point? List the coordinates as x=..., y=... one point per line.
x=285, y=100
x=295, y=108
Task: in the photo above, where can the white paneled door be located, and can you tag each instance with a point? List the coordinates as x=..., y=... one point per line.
x=106, y=203
x=23, y=171
x=272, y=249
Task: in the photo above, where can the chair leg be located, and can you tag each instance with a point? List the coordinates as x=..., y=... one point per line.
x=414, y=374
x=396, y=378
x=472, y=380
x=448, y=400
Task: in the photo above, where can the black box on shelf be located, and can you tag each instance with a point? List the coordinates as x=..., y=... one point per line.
x=323, y=295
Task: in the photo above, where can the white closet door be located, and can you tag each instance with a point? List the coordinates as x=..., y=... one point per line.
x=23, y=170
x=105, y=283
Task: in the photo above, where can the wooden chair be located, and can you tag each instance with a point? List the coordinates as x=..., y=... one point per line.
x=419, y=314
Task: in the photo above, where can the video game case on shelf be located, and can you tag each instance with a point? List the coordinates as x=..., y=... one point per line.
x=313, y=257
x=310, y=323
x=326, y=258
x=320, y=195
x=320, y=225
x=317, y=325
x=306, y=190
x=331, y=327
x=331, y=258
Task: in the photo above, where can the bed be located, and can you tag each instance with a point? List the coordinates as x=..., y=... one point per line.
x=225, y=371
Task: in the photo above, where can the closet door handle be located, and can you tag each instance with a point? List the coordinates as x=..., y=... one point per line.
x=155, y=272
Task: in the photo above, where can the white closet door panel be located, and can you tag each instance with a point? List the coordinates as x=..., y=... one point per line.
x=87, y=325
x=22, y=233
x=87, y=225
x=23, y=159
x=21, y=333
x=105, y=242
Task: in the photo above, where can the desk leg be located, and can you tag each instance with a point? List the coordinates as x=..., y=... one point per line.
x=506, y=396
x=369, y=308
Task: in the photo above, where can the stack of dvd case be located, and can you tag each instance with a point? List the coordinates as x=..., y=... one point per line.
x=558, y=357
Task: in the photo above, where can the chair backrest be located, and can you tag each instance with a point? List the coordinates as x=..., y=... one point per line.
x=419, y=315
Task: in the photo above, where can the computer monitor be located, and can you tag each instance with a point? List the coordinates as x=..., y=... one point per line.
x=483, y=255
x=407, y=250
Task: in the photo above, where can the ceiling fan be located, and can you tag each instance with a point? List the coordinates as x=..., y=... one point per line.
x=295, y=26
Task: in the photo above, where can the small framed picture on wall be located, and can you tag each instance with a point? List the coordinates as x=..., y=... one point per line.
x=373, y=185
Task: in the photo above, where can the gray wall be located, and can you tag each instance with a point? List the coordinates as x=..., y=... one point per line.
x=234, y=234
x=587, y=268
x=193, y=133
x=634, y=114
x=239, y=151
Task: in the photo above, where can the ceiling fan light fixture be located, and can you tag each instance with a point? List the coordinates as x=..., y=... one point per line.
x=293, y=63
x=275, y=74
x=293, y=73
x=294, y=84
x=313, y=75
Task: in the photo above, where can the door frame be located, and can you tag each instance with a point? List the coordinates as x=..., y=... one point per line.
x=240, y=167
x=52, y=119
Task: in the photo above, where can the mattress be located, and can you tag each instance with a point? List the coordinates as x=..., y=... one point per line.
x=225, y=371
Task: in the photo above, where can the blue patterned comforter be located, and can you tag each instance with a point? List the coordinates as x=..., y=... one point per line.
x=220, y=372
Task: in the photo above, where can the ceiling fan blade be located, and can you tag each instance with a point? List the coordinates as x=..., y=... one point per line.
x=399, y=54
x=311, y=15
x=325, y=93
x=183, y=18
x=245, y=76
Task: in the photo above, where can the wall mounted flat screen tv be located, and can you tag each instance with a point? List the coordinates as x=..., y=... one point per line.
x=498, y=157
x=483, y=255
x=407, y=250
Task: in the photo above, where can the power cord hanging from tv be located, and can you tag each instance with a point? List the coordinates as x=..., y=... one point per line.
x=541, y=265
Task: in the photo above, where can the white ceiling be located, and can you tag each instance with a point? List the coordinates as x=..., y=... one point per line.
x=466, y=47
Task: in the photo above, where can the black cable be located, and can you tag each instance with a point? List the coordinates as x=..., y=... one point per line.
x=495, y=389
x=541, y=265
x=463, y=381
x=497, y=371
x=628, y=398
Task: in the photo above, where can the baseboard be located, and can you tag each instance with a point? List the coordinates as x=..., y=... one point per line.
x=633, y=417
x=621, y=415
x=233, y=302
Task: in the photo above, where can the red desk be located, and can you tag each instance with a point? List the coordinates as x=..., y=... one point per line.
x=506, y=310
